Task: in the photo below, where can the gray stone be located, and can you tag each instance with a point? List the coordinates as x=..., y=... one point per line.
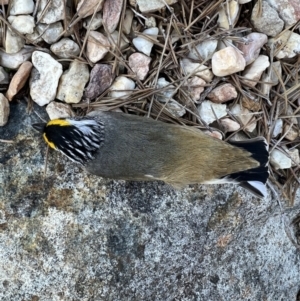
x=280, y=160
x=86, y=8
x=73, y=236
x=146, y=6
x=44, y=78
x=209, y=111
x=51, y=11
x=13, y=42
x=4, y=110
x=13, y=61
x=58, y=110
x=65, y=48
x=50, y=33
x=288, y=10
x=23, y=24
x=267, y=21
x=93, y=23
x=97, y=46
x=21, y=7
x=4, y=77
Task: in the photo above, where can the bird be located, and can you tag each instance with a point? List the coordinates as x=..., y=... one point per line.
x=123, y=146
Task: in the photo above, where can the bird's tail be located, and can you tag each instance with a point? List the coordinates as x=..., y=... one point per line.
x=253, y=179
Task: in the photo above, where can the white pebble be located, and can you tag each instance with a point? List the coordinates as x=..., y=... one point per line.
x=122, y=86
x=227, y=61
x=233, y=12
x=23, y=24
x=253, y=72
x=4, y=110
x=144, y=45
x=13, y=42
x=166, y=93
x=209, y=111
x=280, y=160
x=58, y=110
x=55, y=11
x=44, y=78
x=72, y=82
x=97, y=46
x=294, y=154
x=244, y=116
x=65, y=48
x=277, y=128
x=50, y=33
x=175, y=108
x=291, y=42
x=204, y=50
x=21, y=7
x=13, y=61
x=146, y=6
x=191, y=68
x=93, y=23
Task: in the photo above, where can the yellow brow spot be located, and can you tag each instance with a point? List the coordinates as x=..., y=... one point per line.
x=59, y=122
x=51, y=144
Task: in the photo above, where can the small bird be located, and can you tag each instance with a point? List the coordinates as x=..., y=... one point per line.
x=128, y=147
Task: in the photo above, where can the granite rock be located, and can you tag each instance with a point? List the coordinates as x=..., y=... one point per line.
x=73, y=236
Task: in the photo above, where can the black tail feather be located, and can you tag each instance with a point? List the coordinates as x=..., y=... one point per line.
x=253, y=179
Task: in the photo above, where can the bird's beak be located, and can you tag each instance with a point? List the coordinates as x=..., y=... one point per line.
x=39, y=126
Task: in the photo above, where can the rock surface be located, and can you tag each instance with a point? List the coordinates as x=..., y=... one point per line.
x=73, y=236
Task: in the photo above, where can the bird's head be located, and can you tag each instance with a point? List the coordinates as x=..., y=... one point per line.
x=77, y=138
